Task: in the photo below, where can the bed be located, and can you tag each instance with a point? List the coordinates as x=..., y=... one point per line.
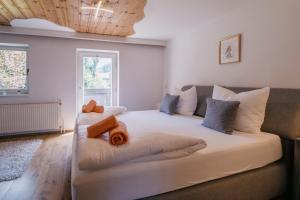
x=252, y=166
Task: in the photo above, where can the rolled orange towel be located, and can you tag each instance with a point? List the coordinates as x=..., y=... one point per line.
x=89, y=107
x=102, y=127
x=99, y=109
x=118, y=135
x=83, y=109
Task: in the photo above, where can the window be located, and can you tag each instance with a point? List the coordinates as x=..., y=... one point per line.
x=13, y=69
x=97, y=77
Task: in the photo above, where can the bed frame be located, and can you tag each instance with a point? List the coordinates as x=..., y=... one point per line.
x=279, y=180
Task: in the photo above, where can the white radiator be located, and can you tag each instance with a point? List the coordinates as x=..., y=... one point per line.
x=30, y=118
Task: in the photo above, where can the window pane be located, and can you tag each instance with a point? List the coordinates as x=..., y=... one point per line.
x=97, y=72
x=98, y=79
x=13, y=70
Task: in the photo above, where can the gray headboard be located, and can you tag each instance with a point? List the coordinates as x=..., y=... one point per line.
x=282, y=112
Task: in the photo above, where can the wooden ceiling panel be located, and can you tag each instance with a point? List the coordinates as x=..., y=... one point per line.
x=12, y=8
x=105, y=17
x=5, y=13
x=48, y=10
x=37, y=9
x=3, y=20
x=73, y=13
x=23, y=8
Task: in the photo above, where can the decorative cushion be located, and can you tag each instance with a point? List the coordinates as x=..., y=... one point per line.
x=203, y=92
x=220, y=115
x=169, y=104
x=187, y=102
x=201, y=110
x=251, y=112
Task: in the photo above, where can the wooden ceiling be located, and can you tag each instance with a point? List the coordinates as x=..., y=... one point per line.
x=69, y=13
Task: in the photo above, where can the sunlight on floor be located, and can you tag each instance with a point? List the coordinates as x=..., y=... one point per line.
x=67, y=134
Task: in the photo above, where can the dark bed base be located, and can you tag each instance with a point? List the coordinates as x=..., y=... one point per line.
x=296, y=172
x=268, y=182
x=279, y=180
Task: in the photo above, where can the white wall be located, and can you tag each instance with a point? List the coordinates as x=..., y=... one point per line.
x=270, y=48
x=52, y=63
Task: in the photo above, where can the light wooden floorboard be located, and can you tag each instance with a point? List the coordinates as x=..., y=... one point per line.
x=48, y=175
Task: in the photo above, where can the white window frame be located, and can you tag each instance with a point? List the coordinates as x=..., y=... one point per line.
x=16, y=47
x=79, y=74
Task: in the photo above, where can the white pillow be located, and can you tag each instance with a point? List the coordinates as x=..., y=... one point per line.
x=93, y=117
x=251, y=112
x=187, y=102
x=115, y=110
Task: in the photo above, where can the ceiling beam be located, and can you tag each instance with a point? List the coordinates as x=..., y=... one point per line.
x=80, y=36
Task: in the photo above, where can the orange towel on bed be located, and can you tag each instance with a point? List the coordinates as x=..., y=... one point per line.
x=102, y=127
x=89, y=107
x=98, y=109
x=118, y=135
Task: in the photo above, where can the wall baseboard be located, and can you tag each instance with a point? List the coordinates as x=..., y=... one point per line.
x=24, y=135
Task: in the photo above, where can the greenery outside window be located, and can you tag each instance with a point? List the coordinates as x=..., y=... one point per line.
x=13, y=69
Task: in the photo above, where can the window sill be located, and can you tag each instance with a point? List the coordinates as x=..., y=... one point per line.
x=13, y=95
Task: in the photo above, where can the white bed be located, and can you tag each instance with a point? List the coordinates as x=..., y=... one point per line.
x=224, y=155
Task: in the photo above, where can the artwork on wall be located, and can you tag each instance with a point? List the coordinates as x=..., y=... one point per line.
x=230, y=49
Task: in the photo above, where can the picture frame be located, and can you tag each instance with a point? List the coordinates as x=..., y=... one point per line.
x=230, y=49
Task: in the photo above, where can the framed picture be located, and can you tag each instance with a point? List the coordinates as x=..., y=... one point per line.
x=230, y=49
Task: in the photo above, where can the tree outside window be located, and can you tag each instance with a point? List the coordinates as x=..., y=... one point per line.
x=13, y=70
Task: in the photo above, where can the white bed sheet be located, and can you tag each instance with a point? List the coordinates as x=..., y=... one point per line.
x=224, y=155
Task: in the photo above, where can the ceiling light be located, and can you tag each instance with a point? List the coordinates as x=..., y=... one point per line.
x=97, y=8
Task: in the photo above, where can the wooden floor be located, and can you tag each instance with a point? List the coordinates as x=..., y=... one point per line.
x=48, y=175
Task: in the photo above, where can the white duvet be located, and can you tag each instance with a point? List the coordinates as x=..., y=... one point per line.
x=98, y=153
x=223, y=156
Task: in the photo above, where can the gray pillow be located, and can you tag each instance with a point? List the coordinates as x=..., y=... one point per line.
x=220, y=115
x=169, y=104
x=201, y=110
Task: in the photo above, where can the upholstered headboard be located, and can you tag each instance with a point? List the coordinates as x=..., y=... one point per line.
x=282, y=112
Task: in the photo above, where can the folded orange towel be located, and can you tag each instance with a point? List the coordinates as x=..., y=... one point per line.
x=118, y=135
x=101, y=127
x=89, y=107
x=99, y=109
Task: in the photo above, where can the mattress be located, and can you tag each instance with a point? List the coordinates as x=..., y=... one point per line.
x=224, y=155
